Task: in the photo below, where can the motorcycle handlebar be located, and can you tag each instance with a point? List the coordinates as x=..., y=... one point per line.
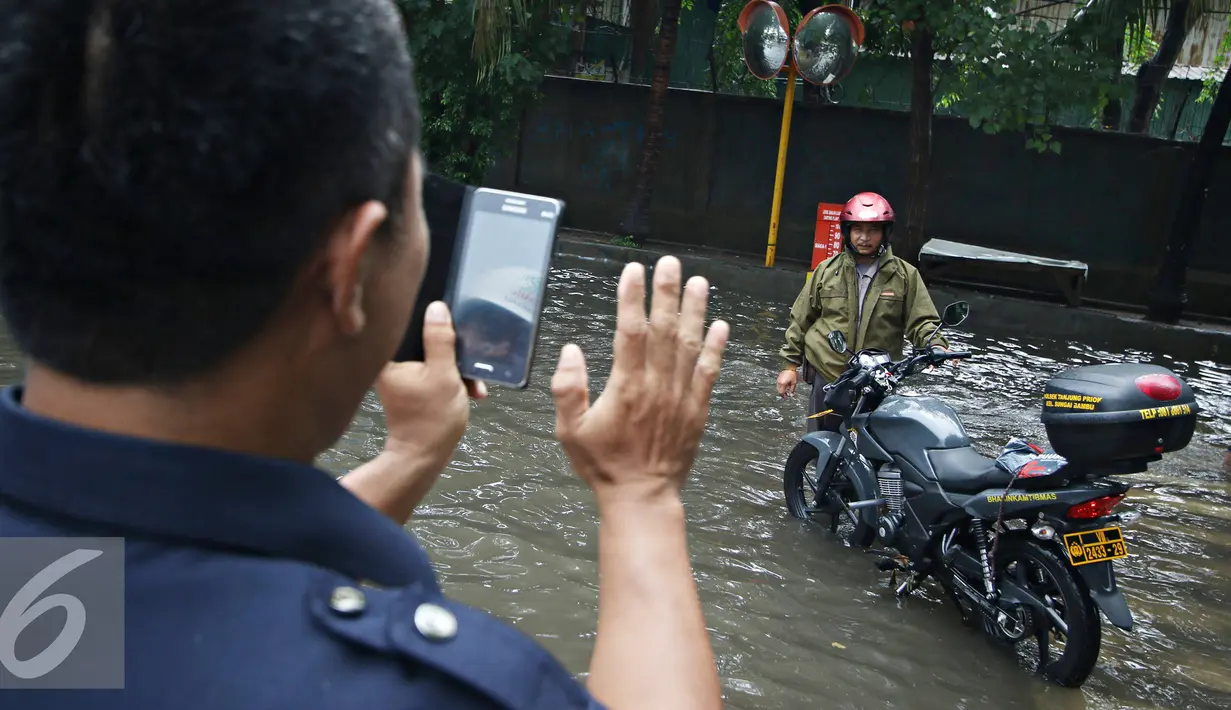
x=929, y=357
x=898, y=370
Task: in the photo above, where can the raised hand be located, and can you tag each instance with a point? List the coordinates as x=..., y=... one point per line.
x=641, y=435
x=634, y=447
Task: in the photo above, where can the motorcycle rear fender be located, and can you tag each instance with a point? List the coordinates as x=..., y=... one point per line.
x=986, y=505
x=1100, y=577
x=829, y=444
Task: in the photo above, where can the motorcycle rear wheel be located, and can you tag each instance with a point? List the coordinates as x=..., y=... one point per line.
x=797, y=485
x=1041, y=569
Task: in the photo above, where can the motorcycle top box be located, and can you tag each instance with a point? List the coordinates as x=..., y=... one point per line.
x=1118, y=413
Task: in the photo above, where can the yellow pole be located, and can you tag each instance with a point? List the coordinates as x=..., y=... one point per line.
x=783, y=138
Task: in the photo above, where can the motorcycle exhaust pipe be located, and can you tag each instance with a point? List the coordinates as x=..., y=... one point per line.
x=860, y=504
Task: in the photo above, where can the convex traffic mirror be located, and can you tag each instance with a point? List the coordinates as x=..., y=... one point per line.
x=766, y=38
x=826, y=44
x=823, y=49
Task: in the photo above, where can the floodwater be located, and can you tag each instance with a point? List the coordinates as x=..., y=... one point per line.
x=797, y=619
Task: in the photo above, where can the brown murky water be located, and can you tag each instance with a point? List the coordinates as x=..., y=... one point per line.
x=797, y=619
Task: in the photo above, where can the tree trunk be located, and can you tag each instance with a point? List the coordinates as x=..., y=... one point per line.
x=637, y=217
x=643, y=13
x=1168, y=299
x=709, y=55
x=1153, y=74
x=1113, y=111
x=922, y=54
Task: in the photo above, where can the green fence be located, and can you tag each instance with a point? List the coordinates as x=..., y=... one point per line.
x=875, y=82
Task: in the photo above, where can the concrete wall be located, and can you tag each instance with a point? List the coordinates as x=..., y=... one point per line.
x=1105, y=200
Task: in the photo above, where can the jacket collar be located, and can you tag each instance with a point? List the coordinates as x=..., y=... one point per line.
x=208, y=497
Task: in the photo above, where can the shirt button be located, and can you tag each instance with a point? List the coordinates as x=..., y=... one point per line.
x=347, y=601
x=435, y=622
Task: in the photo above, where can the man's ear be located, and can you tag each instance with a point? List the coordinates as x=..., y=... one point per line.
x=350, y=253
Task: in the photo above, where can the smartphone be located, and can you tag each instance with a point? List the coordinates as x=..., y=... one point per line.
x=444, y=204
x=499, y=280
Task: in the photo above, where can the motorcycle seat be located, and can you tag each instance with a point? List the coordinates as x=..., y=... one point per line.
x=965, y=470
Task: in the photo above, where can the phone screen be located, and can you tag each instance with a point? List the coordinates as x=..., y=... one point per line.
x=498, y=289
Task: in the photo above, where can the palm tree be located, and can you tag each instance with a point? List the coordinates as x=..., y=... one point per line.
x=1135, y=20
x=494, y=22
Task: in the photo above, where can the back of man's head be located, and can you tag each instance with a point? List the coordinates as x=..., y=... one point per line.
x=167, y=168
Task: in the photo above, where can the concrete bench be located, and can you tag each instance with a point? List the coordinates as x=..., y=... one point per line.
x=945, y=260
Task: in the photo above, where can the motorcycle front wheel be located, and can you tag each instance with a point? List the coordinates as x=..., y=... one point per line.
x=800, y=482
x=1040, y=569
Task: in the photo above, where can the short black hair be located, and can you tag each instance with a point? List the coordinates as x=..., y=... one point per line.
x=167, y=168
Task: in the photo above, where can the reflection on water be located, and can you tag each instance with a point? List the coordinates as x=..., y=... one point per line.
x=797, y=619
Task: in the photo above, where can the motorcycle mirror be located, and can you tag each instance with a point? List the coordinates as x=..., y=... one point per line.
x=956, y=313
x=837, y=341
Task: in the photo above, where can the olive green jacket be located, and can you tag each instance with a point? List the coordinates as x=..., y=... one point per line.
x=897, y=307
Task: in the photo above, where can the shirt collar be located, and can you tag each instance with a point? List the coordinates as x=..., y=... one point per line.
x=211, y=497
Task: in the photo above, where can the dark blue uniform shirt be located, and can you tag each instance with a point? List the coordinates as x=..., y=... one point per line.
x=252, y=583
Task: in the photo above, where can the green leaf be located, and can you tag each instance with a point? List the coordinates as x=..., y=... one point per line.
x=473, y=100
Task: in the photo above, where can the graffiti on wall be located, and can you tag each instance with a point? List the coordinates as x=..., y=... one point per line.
x=607, y=151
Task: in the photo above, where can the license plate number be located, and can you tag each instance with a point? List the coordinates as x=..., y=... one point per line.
x=1090, y=546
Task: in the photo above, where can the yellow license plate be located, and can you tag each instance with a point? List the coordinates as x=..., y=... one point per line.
x=1090, y=546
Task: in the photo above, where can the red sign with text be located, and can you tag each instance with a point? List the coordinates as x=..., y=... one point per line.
x=828, y=239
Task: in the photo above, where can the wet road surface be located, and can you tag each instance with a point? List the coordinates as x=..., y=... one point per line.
x=797, y=619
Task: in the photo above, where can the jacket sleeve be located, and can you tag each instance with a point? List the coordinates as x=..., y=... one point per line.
x=803, y=315
x=921, y=315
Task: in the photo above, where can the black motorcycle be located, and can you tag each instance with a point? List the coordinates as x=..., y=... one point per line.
x=1025, y=550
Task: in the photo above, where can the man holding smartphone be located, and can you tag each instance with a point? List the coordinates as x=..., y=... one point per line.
x=211, y=239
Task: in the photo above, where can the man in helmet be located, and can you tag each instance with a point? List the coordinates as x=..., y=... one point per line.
x=874, y=298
